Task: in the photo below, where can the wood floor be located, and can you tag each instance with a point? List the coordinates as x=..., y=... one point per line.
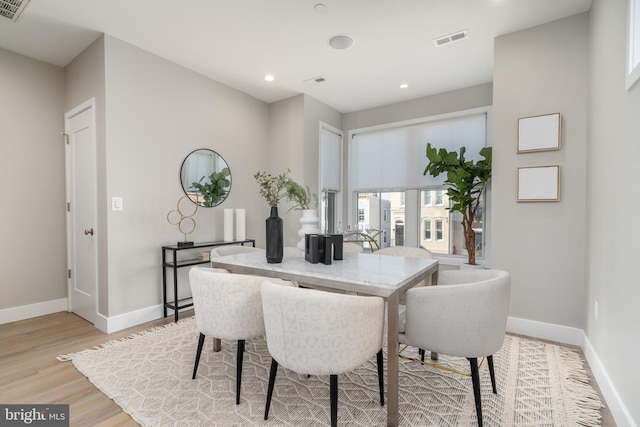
x=30, y=373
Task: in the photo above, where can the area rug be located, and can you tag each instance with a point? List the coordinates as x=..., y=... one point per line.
x=149, y=376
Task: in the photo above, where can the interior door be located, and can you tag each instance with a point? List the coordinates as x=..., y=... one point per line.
x=82, y=232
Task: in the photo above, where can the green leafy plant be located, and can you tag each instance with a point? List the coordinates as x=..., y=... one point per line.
x=466, y=182
x=272, y=188
x=215, y=187
x=302, y=197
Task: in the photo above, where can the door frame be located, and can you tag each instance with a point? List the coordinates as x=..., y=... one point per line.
x=69, y=185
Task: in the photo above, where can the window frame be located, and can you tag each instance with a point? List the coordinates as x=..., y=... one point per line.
x=414, y=235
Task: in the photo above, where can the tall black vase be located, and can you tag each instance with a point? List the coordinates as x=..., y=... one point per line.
x=275, y=237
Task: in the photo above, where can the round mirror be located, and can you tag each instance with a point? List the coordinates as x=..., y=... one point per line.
x=205, y=177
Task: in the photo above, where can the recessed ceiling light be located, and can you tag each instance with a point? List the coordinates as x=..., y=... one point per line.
x=404, y=86
x=341, y=41
x=320, y=7
x=269, y=77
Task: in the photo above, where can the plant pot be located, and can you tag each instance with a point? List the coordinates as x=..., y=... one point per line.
x=275, y=237
x=309, y=225
x=476, y=266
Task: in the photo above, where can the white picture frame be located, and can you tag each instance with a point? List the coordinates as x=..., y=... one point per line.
x=539, y=133
x=538, y=184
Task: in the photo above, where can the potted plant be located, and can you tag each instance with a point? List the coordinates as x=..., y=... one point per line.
x=466, y=182
x=215, y=190
x=273, y=189
x=303, y=198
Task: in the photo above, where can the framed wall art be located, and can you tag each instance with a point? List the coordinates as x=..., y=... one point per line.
x=539, y=133
x=539, y=184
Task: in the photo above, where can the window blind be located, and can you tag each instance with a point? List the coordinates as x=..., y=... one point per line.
x=396, y=157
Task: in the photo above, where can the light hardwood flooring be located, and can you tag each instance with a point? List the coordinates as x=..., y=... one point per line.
x=30, y=373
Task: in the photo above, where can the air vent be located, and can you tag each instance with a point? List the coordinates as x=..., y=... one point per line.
x=460, y=35
x=11, y=9
x=312, y=81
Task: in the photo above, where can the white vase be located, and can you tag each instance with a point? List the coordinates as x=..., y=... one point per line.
x=309, y=225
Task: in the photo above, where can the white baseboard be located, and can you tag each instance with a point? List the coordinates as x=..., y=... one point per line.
x=577, y=337
x=546, y=331
x=132, y=318
x=14, y=314
x=617, y=407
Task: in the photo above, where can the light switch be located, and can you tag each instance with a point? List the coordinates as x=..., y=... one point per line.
x=116, y=203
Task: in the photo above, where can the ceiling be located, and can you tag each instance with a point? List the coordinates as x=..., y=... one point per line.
x=238, y=42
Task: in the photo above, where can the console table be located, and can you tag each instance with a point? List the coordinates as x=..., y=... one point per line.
x=174, y=264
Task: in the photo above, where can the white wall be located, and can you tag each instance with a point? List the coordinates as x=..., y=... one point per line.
x=32, y=213
x=613, y=201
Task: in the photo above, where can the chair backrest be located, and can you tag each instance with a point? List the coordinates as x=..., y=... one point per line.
x=321, y=333
x=463, y=319
x=227, y=306
x=232, y=250
x=406, y=251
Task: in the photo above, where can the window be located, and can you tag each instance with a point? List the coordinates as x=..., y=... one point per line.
x=330, y=176
x=386, y=166
x=328, y=211
x=378, y=211
x=439, y=197
x=426, y=227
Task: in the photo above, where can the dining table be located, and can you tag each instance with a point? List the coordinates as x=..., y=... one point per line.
x=363, y=273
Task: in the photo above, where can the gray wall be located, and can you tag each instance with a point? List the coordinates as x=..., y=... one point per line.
x=156, y=114
x=546, y=260
x=84, y=79
x=612, y=203
x=32, y=186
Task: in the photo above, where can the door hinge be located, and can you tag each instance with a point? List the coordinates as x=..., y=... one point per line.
x=69, y=274
x=66, y=137
x=68, y=206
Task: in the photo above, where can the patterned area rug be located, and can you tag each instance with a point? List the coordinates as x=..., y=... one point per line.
x=149, y=376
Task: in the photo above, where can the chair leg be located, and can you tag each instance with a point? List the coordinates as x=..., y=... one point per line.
x=198, y=352
x=333, y=382
x=492, y=373
x=380, y=361
x=239, y=369
x=421, y=353
x=272, y=381
x=475, y=378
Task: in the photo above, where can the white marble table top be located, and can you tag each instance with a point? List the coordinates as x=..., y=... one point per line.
x=358, y=272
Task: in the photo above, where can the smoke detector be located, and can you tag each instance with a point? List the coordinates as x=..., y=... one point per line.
x=11, y=9
x=457, y=36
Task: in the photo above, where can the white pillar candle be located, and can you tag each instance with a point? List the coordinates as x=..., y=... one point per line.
x=228, y=225
x=240, y=224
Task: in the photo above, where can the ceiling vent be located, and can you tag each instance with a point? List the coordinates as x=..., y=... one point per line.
x=309, y=82
x=460, y=35
x=11, y=9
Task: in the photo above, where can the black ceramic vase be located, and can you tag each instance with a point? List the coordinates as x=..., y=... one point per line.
x=275, y=237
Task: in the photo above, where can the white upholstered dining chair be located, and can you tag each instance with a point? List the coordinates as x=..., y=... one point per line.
x=228, y=307
x=406, y=251
x=231, y=250
x=465, y=315
x=321, y=333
